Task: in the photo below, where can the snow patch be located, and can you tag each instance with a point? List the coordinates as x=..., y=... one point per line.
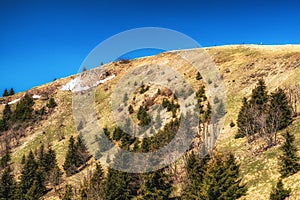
x=36, y=96
x=14, y=101
x=78, y=84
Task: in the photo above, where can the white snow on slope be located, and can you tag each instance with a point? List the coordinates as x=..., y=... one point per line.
x=14, y=101
x=78, y=85
x=36, y=96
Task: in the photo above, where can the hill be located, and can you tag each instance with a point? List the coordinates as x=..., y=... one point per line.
x=240, y=67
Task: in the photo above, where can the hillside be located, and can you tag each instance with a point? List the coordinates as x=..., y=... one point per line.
x=240, y=67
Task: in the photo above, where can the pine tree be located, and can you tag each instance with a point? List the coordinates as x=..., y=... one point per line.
x=196, y=171
x=5, y=93
x=24, y=108
x=81, y=151
x=28, y=173
x=117, y=185
x=130, y=109
x=259, y=97
x=289, y=161
x=7, y=113
x=11, y=91
x=38, y=187
x=220, y=181
x=72, y=159
x=278, y=192
x=8, y=184
x=156, y=185
x=68, y=193
x=245, y=121
x=51, y=103
x=198, y=76
x=4, y=161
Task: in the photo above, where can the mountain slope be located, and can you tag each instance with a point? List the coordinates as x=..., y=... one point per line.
x=240, y=67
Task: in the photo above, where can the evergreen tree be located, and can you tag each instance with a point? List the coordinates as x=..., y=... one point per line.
x=156, y=185
x=219, y=180
x=289, y=161
x=11, y=91
x=196, y=172
x=68, y=193
x=72, y=159
x=38, y=187
x=198, y=76
x=28, y=173
x=117, y=185
x=5, y=93
x=130, y=109
x=24, y=108
x=259, y=97
x=4, y=161
x=278, y=192
x=7, y=113
x=8, y=184
x=51, y=103
x=280, y=112
x=81, y=151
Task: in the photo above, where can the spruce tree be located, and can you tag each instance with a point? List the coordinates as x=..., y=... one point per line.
x=156, y=185
x=196, y=172
x=7, y=184
x=221, y=181
x=51, y=103
x=259, y=97
x=117, y=185
x=11, y=91
x=278, y=192
x=5, y=93
x=28, y=173
x=289, y=161
x=7, y=113
x=24, y=108
x=72, y=159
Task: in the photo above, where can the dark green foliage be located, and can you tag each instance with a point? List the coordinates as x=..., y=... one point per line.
x=38, y=188
x=4, y=161
x=208, y=112
x=68, y=193
x=11, y=91
x=117, y=185
x=280, y=112
x=5, y=93
x=156, y=185
x=245, y=121
x=198, y=76
x=7, y=113
x=144, y=89
x=259, y=97
x=214, y=180
x=28, y=173
x=7, y=184
x=72, y=158
x=196, y=171
x=117, y=134
x=130, y=109
x=104, y=142
x=51, y=103
x=24, y=108
x=289, y=161
x=143, y=116
x=278, y=192
x=76, y=156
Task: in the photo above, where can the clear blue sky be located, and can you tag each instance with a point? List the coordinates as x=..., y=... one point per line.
x=42, y=40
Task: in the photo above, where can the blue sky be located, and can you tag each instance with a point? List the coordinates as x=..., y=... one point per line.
x=43, y=40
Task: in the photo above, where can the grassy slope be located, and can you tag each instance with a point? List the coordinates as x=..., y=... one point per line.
x=245, y=63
